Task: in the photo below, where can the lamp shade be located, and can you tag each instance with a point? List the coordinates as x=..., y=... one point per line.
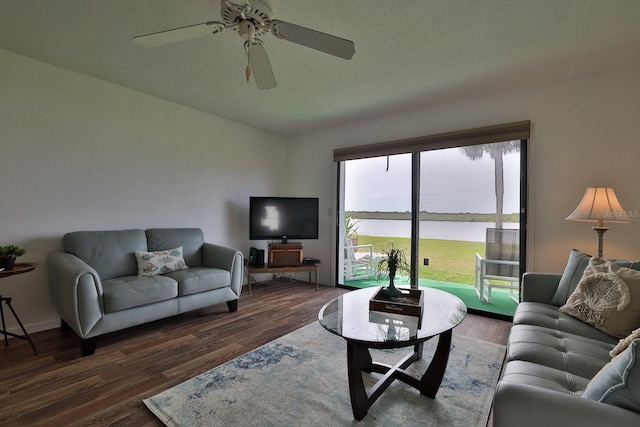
x=599, y=204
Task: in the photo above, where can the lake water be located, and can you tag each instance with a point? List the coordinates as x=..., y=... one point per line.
x=445, y=230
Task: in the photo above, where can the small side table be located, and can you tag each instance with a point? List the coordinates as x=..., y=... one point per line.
x=18, y=268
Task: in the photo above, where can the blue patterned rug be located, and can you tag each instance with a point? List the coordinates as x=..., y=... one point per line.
x=300, y=379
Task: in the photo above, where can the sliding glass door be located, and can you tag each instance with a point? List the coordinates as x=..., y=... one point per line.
x=470, y=224
x=457, y=213
x=377, y=216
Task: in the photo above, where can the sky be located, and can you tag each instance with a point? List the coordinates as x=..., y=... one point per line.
x=451, y=183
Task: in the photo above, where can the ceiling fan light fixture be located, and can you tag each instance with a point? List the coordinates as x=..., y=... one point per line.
x=257, y=12
x=247, y=30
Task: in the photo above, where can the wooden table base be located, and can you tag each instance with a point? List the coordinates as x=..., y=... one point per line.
x=359, y=360
x=8, y=334
x=18, y=268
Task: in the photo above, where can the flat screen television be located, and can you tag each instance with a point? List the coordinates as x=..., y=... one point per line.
x=283, y=218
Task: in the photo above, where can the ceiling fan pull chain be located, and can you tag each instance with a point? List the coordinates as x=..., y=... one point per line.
x=247, y=71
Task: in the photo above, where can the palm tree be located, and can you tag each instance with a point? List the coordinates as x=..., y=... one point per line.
x=496, y=150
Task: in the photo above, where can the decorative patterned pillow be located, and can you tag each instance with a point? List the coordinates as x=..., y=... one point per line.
x=573, y=272
x=618, y=381
x=160, y=262
x=607, y=297
x=624, y=343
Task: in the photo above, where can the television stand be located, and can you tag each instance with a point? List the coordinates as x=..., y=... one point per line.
x=252, y=269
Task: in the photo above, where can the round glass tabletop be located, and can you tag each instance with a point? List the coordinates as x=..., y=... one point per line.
x=349, y=317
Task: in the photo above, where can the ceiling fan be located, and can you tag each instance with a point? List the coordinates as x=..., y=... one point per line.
x=255, y=18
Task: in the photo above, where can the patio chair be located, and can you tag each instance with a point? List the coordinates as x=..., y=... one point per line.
x=359, y=261
x=500, y=267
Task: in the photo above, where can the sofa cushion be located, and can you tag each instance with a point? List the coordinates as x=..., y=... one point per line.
x=110, y=253
x=607, y=297
x=135, y=291
x=524, y=372
x=200, y=279
x=191, y=240
x=573, y=354
x=573, y=272
x=618, y=383
x=160, y=262
x=549, y=316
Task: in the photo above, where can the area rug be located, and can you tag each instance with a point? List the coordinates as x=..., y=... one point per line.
x=300, y=379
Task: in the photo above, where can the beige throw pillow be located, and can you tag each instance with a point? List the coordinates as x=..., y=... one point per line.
x=607, y=297
x=160, y=262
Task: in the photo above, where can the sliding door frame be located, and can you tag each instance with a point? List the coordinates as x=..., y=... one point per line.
x=486, y=135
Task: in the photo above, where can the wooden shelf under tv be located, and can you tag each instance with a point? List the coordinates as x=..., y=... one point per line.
x=311, y=268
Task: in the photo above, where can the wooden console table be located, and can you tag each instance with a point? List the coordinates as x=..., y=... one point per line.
x=18, y=268
x=312, y=268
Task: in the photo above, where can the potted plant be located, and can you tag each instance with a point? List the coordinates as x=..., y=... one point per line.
x=8, y=255
x=394, y=260
x=351, y=230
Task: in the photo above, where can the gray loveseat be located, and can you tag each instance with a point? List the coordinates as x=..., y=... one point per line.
x=100, y=284
x=552, y=358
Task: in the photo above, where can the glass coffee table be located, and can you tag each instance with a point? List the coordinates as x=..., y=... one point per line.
x=349, y=316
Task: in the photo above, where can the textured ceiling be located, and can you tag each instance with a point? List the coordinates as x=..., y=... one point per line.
x=409, y=53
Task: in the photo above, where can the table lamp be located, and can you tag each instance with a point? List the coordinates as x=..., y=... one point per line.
x=599, y=204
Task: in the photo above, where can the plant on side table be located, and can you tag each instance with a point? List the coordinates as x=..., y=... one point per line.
x=8, y=255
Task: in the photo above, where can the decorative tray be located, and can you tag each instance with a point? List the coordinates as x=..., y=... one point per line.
x=410, y=302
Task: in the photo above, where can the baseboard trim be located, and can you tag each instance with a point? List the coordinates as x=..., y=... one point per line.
x=32, y=328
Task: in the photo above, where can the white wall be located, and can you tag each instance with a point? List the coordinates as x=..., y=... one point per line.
x=77, y=153
x=585, y=132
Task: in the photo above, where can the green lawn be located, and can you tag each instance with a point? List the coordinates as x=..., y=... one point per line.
x=501, y=303
x=449, y=260
x=451, y=268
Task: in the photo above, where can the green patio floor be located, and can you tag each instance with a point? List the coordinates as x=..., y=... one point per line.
x=501, y=303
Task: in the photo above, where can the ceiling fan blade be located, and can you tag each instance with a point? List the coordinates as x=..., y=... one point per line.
x=179, y=34
x=326, y=43
x=260, y=65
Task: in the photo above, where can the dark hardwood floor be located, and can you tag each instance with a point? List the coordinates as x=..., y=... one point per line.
x=60, y=388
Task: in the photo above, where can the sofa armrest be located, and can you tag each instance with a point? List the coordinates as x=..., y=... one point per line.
x=539, y=287
x=76, y=290
x=529, y=406
x=216, y=256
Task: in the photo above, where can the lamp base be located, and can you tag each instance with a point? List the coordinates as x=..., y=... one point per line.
x=600, y=231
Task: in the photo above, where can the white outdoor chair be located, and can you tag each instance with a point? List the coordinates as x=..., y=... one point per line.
x=500, y=267
x=359, y=261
